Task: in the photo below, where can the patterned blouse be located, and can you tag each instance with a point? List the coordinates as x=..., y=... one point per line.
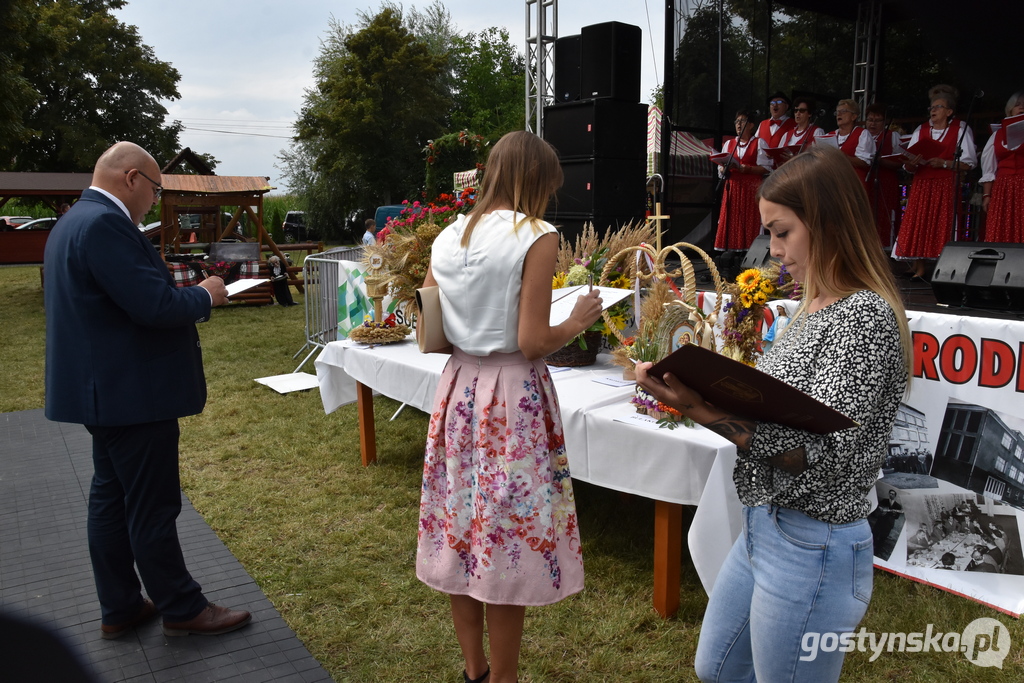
x=848, y=355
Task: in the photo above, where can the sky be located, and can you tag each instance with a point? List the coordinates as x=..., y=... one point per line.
x=245, y=65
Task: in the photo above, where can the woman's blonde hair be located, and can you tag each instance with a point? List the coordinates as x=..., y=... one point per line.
x=522, y=173
x=851, y=105
x=822, y=189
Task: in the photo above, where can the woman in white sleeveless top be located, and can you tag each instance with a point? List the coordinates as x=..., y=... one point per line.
x=498, y=523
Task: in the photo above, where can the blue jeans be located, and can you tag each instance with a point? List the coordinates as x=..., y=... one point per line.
x=787, y=575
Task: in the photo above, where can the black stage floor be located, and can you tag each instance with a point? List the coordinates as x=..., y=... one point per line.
x=46, y=577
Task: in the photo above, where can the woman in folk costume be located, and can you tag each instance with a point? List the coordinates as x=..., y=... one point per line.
x=773, y=131
x=884, y=184
x=498, y=528
x=928, y=221
x=1002, y=181
x=738, y=219
x=852, y=140
x=804, y=130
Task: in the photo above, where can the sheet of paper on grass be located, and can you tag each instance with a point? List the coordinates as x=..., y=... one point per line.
x=564, y=298
x=245, y=283
x=293, y=381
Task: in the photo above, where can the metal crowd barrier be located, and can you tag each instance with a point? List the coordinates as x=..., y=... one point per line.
x=320, y=280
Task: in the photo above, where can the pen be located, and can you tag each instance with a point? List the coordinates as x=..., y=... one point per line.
x=590, y=283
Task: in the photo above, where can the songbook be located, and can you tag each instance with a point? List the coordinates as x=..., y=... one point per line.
x=926, y=148
x=829, y=139
x=783, y=153
x=747, y=392
x=239, y=286
x=726, y=159
x=564, y=299
x=1014, y=127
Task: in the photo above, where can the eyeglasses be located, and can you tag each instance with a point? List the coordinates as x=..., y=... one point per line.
x=801, y=109
x=777, y=102
x=837, y=112
x=936, y=106
x=157, y=190
x=740, y=122
x=872, y=119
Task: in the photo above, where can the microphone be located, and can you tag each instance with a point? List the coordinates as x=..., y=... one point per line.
x=978, y=94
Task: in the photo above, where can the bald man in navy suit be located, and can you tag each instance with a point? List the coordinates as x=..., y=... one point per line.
x=123, y=359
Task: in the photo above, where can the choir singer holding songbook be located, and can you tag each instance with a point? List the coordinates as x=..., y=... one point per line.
x=803, y=561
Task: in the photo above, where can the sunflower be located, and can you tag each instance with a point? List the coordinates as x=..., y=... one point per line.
x=622, y=282
x=746, y=300
x=558, y=281
x=760, y=298
x=748, y=280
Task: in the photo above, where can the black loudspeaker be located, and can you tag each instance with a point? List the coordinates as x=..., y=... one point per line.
x=980, y=275
x=602, y=187
x=567, y=68
x=759, y=254
x=597, y=128
x=610, y=65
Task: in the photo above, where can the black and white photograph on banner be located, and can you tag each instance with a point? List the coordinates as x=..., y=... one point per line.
x=982, y=450
x=887, y=519
x=962, y=532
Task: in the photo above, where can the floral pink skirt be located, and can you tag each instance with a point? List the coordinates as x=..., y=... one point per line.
x=497, y=515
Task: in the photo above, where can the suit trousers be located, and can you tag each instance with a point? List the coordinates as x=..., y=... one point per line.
x=133, y=504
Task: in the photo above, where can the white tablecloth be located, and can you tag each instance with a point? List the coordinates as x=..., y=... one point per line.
x=603, y=445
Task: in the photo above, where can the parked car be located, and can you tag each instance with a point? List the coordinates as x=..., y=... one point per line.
x=15, y=221
x=38, y=224
x=295, y=229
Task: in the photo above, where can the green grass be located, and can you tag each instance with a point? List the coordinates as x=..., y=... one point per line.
x=332, y=543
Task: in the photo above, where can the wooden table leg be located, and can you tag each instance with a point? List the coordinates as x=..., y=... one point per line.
x=668, y=539
x=367, y=430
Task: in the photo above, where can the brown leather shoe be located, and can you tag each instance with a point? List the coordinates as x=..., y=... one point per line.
x=112, y=631
x=212, y=621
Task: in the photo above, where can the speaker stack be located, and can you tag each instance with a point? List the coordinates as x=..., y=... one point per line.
x=980, y=275
x=599, y=127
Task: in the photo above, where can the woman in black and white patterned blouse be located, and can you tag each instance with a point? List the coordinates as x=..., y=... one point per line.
x=800, y=574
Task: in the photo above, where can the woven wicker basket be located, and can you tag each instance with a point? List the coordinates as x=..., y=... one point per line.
x=572, y=356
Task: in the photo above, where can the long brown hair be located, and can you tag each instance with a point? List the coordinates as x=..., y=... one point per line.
x=522, y=173
x=822, y=189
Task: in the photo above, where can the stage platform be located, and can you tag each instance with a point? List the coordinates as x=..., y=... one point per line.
x=46, y=576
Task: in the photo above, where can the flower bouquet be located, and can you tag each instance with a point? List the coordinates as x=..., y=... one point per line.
x=406, y=253
x=744, y=314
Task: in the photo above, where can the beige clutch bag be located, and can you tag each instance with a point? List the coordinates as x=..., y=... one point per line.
x=429, y=326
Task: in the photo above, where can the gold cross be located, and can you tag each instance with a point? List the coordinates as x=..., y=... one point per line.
x=658, y=218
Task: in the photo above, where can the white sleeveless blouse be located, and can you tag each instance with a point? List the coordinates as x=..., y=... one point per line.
x=480, y=285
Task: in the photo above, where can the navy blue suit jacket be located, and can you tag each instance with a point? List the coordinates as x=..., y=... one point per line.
x=121, y=341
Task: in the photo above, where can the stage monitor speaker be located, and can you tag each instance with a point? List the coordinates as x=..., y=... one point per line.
x=597, y=128
x=759, y=253
x=606, y=187
x=980, y=275
x=567, y=68
x=610, y=61
x=571, y=225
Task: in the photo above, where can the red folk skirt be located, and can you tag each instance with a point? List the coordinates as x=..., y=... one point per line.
x=928, y=222
x=739, y=220
x=1006, y=210
x=887, y=205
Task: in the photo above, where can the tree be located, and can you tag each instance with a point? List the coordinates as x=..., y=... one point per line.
x=17, y=92
x=490, y=74
x=97, y=83
x=378, y=99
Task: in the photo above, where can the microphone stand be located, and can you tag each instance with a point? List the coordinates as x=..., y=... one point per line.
x=728, y=164
x=956, y=161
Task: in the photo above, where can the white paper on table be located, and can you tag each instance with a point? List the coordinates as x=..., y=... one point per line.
x=645, y=421
x=245, y=283
x=293, y=381
x=563, y=300
x=554, y=369
x=614, y=381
